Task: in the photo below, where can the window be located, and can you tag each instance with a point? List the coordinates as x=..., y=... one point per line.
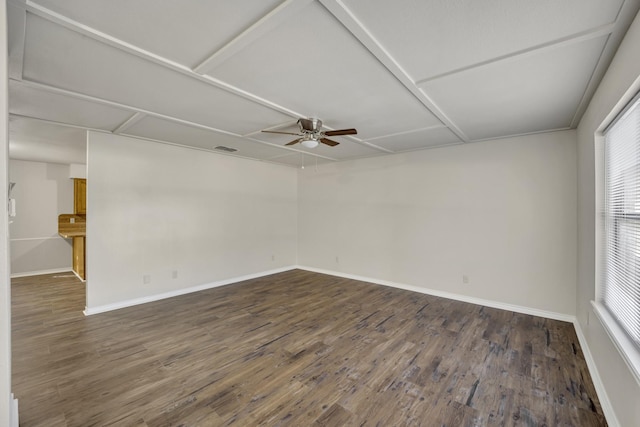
x=620, y=287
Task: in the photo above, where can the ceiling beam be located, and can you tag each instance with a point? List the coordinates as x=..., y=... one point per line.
x=135, y=118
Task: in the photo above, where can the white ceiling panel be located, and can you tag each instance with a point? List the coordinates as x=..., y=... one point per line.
x=184, y=33
x=15, y=38
x=84, y=65
x=28, y=101
x=39, y=141
x=323, y=71
x=518, y=96
x=440, y=36
x=163, y=130
x=424, y=138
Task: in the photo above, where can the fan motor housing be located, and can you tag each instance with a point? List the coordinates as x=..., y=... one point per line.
x=310, y=125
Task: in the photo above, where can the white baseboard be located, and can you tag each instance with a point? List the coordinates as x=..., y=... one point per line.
x=607, y=408
x=39, y=272
x=88, y=311
x=464, y=298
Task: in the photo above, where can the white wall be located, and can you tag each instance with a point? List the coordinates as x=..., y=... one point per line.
x=155, y=208
x=42, y=192
x=501, y=212
x=7, y=417
x=623, y=73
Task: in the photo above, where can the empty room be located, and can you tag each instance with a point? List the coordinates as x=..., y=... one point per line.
x=320, y=213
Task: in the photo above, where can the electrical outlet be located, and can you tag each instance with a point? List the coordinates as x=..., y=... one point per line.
x=337, y=260
x=174, y=274
x=273, y=257
x=146, y=279
x=465, y=279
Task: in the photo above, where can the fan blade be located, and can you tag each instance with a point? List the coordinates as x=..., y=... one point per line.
x=341, y=132
x=329, y=142
x=284, y=133
x=295, y=141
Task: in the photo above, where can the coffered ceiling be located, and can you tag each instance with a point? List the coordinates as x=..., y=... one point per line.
x=407, y=74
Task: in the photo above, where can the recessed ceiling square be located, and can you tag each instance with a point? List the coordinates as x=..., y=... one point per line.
x=183, y=32
x=315, y=67
x=533, y=93
x=429, y=37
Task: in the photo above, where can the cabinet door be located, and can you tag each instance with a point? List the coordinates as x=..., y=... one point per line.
x=79, y=196
x=78, y=256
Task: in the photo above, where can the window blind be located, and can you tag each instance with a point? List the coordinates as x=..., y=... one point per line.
x=620, y=287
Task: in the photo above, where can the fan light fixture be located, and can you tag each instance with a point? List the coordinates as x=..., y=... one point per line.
x=310, y=143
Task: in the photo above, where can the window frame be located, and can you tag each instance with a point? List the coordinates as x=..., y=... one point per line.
x=626, y=346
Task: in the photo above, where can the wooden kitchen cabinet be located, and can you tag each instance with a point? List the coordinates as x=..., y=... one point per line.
x=79, y=196
x=73, y=226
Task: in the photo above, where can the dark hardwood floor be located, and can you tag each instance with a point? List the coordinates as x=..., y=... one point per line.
x=298, y=349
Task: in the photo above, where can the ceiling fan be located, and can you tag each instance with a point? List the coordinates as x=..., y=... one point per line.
x=311, y=134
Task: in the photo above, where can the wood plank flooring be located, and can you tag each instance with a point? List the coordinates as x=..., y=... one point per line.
x=292, y=349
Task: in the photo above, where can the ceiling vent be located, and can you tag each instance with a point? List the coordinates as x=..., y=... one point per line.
x=223, y=148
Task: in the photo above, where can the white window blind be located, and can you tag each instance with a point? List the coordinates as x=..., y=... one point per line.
x=620, y=288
